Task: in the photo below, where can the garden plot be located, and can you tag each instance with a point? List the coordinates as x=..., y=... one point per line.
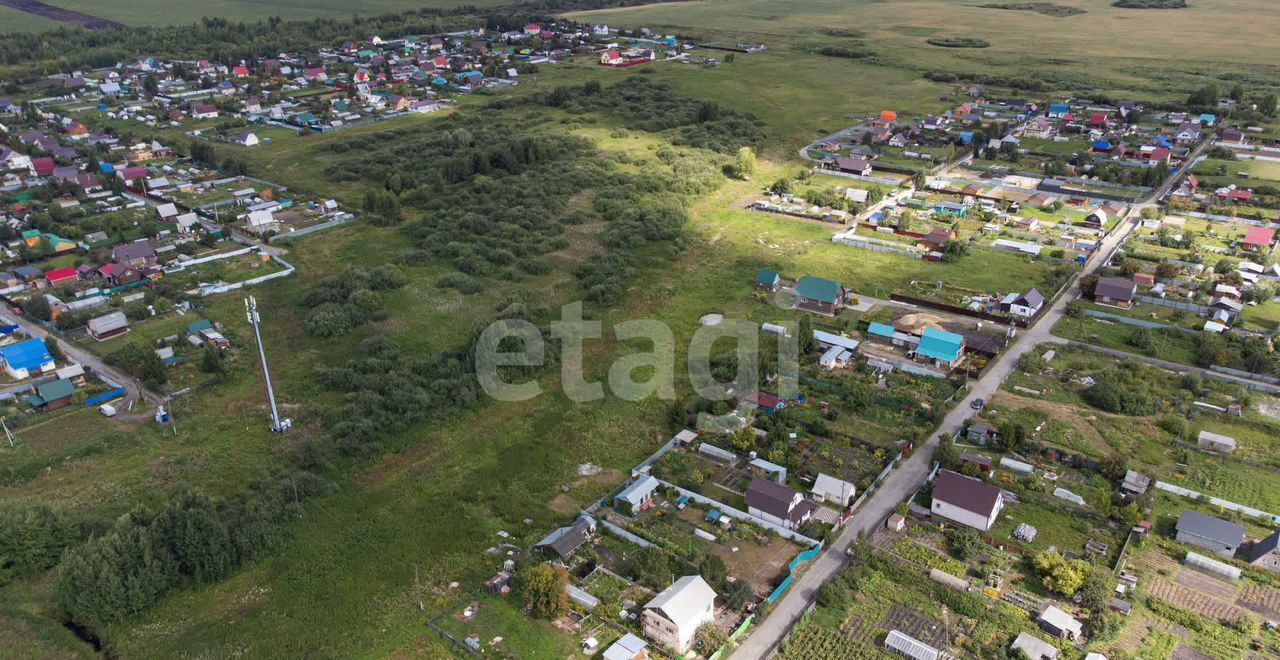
x=924, y=628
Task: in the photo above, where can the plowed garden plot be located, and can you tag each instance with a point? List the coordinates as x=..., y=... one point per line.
x=1208, y=585
x=1192, y=601
x=1263, y=600
x=1136, y=635
x=1188, y=653
x=857, y=630
x=924, y=628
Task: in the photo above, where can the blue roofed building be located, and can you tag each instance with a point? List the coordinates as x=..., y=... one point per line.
x=26, y=359
x=942, y=348
x=768, y=280
x=1208, y=119
x=880, y=331
x=1059, y=110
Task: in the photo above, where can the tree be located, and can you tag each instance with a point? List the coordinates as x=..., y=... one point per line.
x=1095, y=591
x=1267, y=105
x=544, y=591
x=1167, y=271
x=743, y=439
x=709, y=637
x=1058, y=574
x=965, y=543
x=714, y=571
x=738, y=595
x=745, y=162
x=211, y=361
x=807, y=342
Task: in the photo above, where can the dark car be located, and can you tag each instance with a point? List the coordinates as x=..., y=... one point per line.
x=977, y=404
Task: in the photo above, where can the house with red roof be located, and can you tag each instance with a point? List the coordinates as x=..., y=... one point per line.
x=765, y=402
x=62, y=276
x=612, y=58
x=1235, y=194
x=1259, y=238
x=1099, y=120
x=204, y=111
x=533, y=29
x=42, y=166
x=241, y=71
x=132, y=174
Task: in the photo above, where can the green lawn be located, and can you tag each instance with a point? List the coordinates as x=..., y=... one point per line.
x=157, y=12
x=14, y=20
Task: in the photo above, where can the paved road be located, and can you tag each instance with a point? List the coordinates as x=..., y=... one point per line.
x=911, y=473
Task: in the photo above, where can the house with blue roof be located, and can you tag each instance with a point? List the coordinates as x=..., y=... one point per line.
x=26, y=359
x=1059, y=110
x=880, y=331
x=768, y=280
x=940, y=347
x=1208, y=119
x=950, y=208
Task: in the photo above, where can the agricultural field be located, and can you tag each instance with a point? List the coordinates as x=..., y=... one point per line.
x=151, y=12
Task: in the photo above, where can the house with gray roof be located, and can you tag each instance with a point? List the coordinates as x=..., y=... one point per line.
x=1217, y=536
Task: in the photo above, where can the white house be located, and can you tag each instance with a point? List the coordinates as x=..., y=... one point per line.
x=673, y=616
x=167, y=211
x=777, y=504
x=1025, y=305
x=966, y=500
x=261, y=222
x=248, y=139
x=827, y=488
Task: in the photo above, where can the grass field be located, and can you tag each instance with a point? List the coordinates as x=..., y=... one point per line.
x=158, y=12
x=12, y=20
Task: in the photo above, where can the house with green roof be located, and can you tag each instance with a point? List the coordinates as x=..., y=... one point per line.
x=768, y=280
x=942, y=348
x=52, y=395
x=820, y=295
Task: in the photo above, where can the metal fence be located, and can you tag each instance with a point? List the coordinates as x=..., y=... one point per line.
x=1202, y=310
x=1150, y=325
x=791, y=572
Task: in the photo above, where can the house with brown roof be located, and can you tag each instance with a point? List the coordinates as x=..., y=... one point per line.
x=966, y=500
x=777, y=504
x=1115, y=292
x=858, y=166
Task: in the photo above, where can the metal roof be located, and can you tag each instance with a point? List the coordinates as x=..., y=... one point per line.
x=1208, y=527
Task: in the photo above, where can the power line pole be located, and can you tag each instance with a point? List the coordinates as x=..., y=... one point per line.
x=251, y=311
x=7, y=433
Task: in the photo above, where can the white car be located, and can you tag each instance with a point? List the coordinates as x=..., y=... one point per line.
x=107, y=409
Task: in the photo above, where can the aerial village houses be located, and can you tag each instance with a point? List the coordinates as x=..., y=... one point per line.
x=637, y=497
x=1025, y=305
x=966, y=500
x=942, y=348
x=566, y=540
x=1060, y=624
x=673, y=617
x=107, y=326
x=777, y=504
x=1217, y=536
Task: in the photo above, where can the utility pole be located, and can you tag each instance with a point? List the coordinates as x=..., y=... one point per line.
x=251, y=311
x=7, y=434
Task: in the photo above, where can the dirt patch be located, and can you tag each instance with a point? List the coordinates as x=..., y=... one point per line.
x=596, y=479
x=63, y=15
x=1192, y=600
x=1060, y=411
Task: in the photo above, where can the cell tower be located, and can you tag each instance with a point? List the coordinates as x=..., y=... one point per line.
x=251, y=311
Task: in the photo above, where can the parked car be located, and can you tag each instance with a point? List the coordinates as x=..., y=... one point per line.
x=107, y=409
x=977, y=404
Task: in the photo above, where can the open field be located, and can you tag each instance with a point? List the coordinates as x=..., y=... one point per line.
x=14, y=20
x=154, y=12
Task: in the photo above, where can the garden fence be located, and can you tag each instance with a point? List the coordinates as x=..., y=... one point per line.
x=1226, y=504
x=791, y=572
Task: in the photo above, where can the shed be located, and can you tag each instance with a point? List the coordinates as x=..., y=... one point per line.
x=775, y=472
x=1034, y=648
x=827, y=488
x=1058, y=623
x=52, y=395
x=636, y=497
x=108, y=326
x=1216, y=442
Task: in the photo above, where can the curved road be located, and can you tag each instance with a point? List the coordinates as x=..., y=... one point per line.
x=911, y=472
